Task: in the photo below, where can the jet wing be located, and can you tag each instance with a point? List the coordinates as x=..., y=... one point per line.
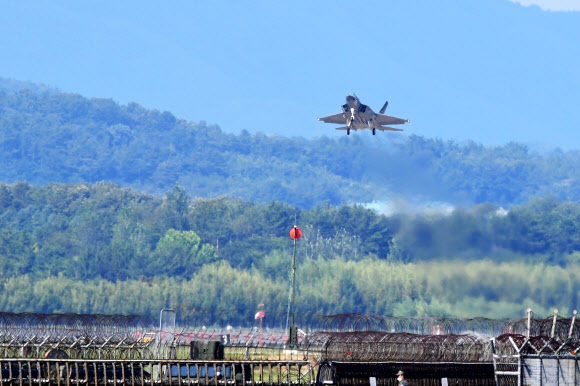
x=384, y=128
x=381, y=119
x=336, y=118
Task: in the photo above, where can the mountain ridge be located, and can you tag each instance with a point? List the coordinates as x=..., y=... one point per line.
x=51, y=136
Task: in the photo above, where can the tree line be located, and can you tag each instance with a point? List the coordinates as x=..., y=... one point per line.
x=104, y=231
x=114, y=249
x=221, y=294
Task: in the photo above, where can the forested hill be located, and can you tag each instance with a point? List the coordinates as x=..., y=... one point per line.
x=103, y=231
x=104, y=249
x=48, y=136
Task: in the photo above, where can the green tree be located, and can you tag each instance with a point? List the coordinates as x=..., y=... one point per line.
x=180, y=253
x=176, y=209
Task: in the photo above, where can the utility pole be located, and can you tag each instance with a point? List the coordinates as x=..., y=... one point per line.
x=295, y=233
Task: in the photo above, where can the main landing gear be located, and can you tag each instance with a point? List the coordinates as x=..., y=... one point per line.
x=374, y=131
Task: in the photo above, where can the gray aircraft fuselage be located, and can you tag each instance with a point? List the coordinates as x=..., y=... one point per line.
x=361, y=116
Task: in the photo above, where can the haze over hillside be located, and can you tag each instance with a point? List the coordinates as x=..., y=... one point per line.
x=49, y=136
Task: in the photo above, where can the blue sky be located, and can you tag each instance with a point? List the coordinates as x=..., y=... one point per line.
x=492, y=71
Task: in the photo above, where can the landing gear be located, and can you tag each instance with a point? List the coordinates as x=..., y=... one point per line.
x=347, y=131
x=374, y=131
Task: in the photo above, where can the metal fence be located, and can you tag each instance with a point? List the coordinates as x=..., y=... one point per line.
x=129, y=337
x=417, y=373
x=543, y=351
x=69, y=372
x=136, y=337
x=523, y=351
x=401, y=347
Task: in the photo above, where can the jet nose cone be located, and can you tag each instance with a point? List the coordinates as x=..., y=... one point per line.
x=352, y=101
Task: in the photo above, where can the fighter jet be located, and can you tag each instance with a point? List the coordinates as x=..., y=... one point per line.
x=357, y=116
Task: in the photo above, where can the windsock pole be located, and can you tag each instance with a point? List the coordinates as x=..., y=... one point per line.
x=295, y=233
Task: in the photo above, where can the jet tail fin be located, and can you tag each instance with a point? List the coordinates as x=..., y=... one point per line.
x=384, y=108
